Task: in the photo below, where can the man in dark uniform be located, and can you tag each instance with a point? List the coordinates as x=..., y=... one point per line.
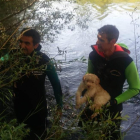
x=30, y=99
x=113, y=65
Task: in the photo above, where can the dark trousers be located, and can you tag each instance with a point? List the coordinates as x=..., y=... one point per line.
x=35, y=119
x=86, y=119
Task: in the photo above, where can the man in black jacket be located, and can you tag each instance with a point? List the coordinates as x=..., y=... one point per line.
x=113, y=65
x=29, y=90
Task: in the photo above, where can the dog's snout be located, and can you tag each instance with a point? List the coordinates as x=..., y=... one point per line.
x=88, y=84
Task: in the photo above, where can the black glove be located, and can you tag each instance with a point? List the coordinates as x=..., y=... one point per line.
x=113, y=102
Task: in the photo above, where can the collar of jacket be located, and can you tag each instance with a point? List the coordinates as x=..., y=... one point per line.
x=119, y=51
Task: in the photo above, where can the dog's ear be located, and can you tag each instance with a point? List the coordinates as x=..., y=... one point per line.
x=84, y=78
x=97, y=80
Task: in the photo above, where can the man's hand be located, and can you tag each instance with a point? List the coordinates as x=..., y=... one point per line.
x=112, y=102
x=57, y=115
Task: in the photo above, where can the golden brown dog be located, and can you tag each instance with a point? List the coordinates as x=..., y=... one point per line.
x=94, y=92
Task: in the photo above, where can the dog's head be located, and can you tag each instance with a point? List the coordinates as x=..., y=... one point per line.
x=91, y=80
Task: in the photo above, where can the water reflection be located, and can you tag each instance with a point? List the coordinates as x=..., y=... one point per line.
x=105, y=7
x=103, y=2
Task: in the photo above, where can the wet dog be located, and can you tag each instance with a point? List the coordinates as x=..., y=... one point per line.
x=94, y=92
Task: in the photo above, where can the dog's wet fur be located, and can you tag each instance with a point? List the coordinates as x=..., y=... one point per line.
x=94, y=92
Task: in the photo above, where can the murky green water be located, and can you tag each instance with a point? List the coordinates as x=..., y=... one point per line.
x=74, y=30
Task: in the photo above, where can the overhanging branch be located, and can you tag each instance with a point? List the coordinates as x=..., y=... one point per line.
x=18, y=11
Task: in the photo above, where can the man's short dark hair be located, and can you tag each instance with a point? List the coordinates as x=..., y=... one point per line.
x=111, y=31
x=32, y=33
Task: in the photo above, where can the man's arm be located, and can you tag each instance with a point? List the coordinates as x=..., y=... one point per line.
x=133, y=80
x=53, y=77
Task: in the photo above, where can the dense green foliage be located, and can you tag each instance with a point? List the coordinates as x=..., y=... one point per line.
x=12, y=130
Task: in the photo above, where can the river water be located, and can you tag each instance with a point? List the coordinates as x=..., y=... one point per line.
x=73, y=29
